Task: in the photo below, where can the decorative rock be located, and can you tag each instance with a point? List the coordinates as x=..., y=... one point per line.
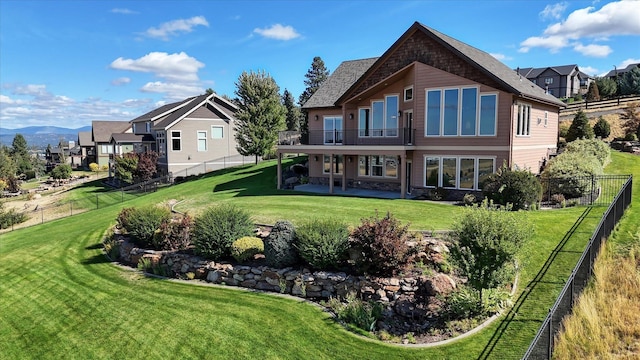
x=440, y=284
x=322, y=275
x=272, y=281
x=238, y=277
x=251, y=283
x=256, y=271
x=213, y=276
x=184, y=268
x=313, y=288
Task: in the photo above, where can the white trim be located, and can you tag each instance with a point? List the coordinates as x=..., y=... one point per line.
x=462, y=148
x=219, y=127
x=172, y=137
x=495, y=120
x=404, y=94
x=532, y=147
x=517, y=118
x=198, y=138
x=476, y=163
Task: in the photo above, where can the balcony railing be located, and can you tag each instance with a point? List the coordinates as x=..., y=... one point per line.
x=402, y=136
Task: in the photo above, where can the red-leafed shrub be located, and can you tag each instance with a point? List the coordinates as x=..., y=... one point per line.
x=381, y=245
x=173, y=234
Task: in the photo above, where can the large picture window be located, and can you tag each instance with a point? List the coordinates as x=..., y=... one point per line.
x=454, y=172
x=338, y=164
x=378, y=166
x=460, y=112
x=381, y=119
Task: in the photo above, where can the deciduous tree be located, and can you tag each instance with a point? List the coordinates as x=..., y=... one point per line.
x=147, y=166
x=125, y=167
x=260, y=115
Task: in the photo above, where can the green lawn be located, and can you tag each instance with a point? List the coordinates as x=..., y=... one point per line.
x=61, y=299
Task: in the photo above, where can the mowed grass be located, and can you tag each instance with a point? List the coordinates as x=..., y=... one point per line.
x=61, y=299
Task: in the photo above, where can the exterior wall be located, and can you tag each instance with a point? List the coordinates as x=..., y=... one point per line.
x=531, y=152
x=189, y=156
x=102, y=158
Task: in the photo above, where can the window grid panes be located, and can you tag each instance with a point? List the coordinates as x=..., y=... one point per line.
x=176, y=141
x=523, y=126
x=467, y=173
x=202, y=141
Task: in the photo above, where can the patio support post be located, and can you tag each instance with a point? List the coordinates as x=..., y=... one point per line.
x=403, y=175
x=344, y=173
x=279, y=171
x=330, y=173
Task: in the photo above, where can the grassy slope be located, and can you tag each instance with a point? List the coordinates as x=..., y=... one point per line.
x=61, y=299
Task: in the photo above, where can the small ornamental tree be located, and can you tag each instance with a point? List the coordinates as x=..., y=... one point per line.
x=147, y=166
x=126, y=166
x=517, y=187
x=485, y=243
x=601, y=128
x=593, y=94
x=61, y=171
x=631, y=116
x=579, y=128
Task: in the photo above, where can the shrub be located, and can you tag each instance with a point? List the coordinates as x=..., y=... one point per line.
x=517, y=187
x=601, y=128
x=485, y=243
x=217, y=228
x=558, y=199
x=246, y=247
x=579, y=128
x=463, y=304
x=361, y=314
x=142, y=222
x=595, y=147
x=10, y=217
x=279, y=249
x=122, y=221
x=61, y=171
x=323, y=243
x=173, y=234
x=469, y=199
x=381, y=244
x=570, y=174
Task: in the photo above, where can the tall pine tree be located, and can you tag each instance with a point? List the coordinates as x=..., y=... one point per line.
x=314, y=77
x=293, y=112
x=260, y=116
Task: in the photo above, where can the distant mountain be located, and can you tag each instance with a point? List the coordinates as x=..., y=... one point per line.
x=38, y=130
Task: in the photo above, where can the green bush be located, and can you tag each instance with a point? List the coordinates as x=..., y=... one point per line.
x=279, y=249
x=323, y=243
x=601, y=128
x=141, y=223
x=485, y=244
x=517, y=187
x=570, y=174
x=246, y=247
x=361, y=314
x=217, y=228
x=381, y=245
x=465, y=303
x=173, y=234
x=579, y=128
x=10, y=217
x=595, y=147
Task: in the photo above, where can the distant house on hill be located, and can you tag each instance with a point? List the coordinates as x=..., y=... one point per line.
x=613, y=74
x=87, y=149
x=560, y=81
x=101, y=133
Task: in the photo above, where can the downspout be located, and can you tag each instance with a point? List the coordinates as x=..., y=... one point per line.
x=511, y=135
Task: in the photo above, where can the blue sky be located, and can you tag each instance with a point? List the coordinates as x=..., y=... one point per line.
x=66, y=63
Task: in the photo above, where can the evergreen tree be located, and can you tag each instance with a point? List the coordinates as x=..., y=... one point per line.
x=260, y=116
x=293, y=112
x=580, y=128
x=20, y=154
x=630, y=82
x=601, y=128
x=593, y=94
x=606, y=87
x=314, y=77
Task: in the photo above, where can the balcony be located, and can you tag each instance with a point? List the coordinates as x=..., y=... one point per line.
x=389, y=137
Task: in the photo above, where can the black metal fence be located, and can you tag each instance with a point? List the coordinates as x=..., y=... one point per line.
x=543, y=343
x=597, y=190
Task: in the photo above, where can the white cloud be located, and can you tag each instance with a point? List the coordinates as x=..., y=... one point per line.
x=593, y=50
x=33, y=104
x=174, y=27
x=589, y=70
x=613, y=19
x=124, y=11
x=628, y=62
x=553, y=11
x=120, y=81
x=501, y=57
x=173, y=91
x=278, y=32
x=178, y=67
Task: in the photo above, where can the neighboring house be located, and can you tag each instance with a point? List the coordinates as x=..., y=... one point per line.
x=101, y=132
x=87, y=149
x=431, y=112
x=190, y=136
x=615, y=73
x=67, y=153
x=560, y=81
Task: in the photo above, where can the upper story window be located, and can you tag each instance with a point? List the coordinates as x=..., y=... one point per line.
x=548, y=80
x=381, y=119
x=202, y=140
x=217, y=132
x=460, y=112
x=546, y=118
x=408, y=93
x=161, y=143
x=333, y=130
x=147, y=127
x=523, y=125
x=133, y=128
x=535, y=81
x=176, y=141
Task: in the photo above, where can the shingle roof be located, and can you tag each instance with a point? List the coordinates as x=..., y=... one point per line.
x=161, y=110
x=84, y=138
x=101, y=130
x=494, y=68
x=126, y=138
x=177, y=114
x=337, y=83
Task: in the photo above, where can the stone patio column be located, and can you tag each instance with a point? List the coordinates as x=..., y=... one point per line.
x=279, y=171
x=330, y=173
x=403, y=175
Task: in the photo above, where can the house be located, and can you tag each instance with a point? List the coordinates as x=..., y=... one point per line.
x=616, y=73
x=101, y=133
x=191, y=136
x=64, y=153
x=560, y=81
x=87, y=149
x=431, y=112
